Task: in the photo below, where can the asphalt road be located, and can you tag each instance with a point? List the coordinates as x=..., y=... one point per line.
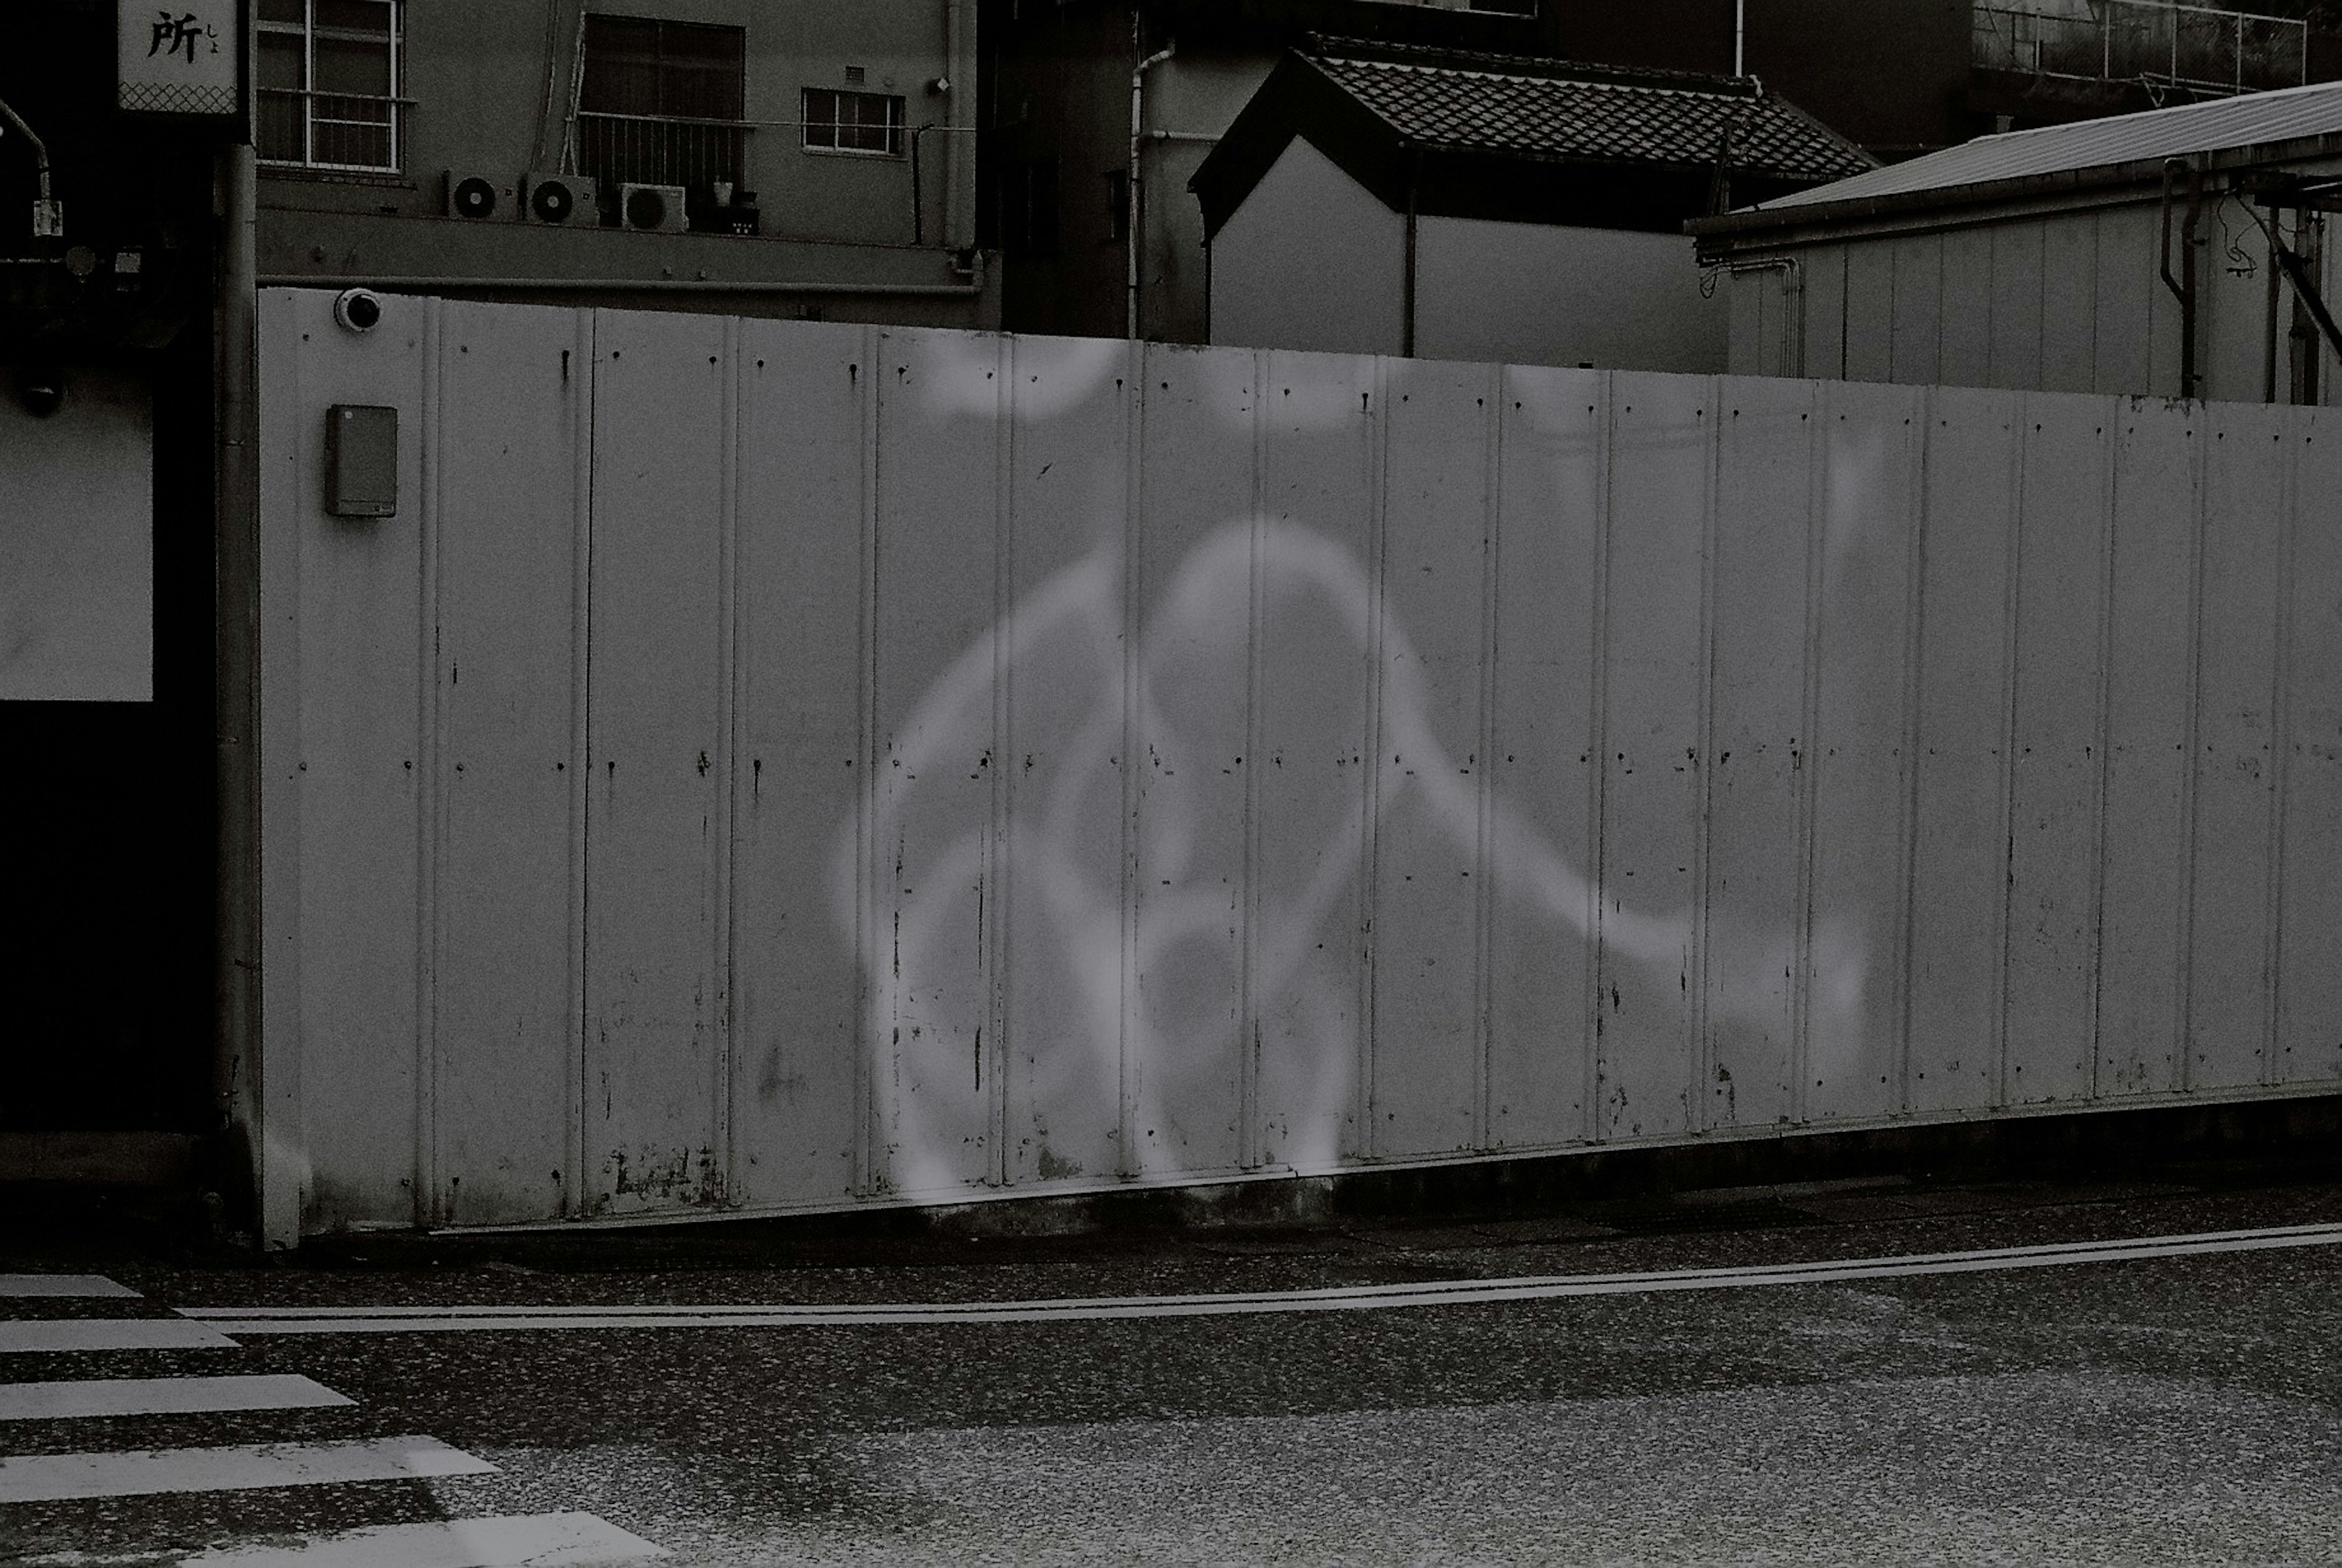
x=2175, y=1408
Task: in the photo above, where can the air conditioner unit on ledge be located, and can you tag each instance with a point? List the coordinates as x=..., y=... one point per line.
x=547, y=198
x=654, y=207
x=480, y=196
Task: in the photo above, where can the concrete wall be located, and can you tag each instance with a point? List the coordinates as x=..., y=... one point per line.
x=77, y=543
x=1543, y=294
x=1311, y=260
x=2061, y=302
x=774, y=766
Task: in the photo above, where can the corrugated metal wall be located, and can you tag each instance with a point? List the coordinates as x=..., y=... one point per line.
x=2055, y=302
x=787, y=764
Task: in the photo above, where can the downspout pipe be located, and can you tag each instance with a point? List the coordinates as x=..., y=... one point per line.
x=1130, y=218
x=1407, y=283
x=1793, y=315
x=15, y=121
x=2182, y=287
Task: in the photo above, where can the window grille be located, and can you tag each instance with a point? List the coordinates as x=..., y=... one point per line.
x=661, y=103
x=329, y=80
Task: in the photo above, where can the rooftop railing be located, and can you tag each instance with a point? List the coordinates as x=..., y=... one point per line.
x=2191, y=46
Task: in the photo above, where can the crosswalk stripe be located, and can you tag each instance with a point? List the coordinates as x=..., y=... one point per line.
x=161, y=1396
x=54, y=1477
x=110, y=1333
x=534, y=1540
x=62, y=1285
x=1340, y=1298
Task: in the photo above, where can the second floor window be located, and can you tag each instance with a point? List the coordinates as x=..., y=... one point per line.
x=660, y=103
x=842, y=121
x=328, y=95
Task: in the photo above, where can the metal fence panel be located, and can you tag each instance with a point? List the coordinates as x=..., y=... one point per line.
x=802, y=761
x=935, y=856
x=1317, y=526
x=1655, y=599
x=1036, y=766
x=1960, y=854
x=1064, y=889
x=1754, y=762
x=1865, y=630
x=2056, y=743
x=509, y=888
x=1192, y=1043
x=658, y=764
x=1428, y=873
x=2310, y=910
x=2143, y=829
x=1544, y=755
x=2231, y=960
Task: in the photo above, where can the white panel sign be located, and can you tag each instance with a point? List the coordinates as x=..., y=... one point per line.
x=76, y=545
x=178, y=59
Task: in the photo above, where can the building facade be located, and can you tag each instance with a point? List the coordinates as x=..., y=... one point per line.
x=2178, y=252
x=733, y=154
x=1390, y=199
x=115, y=135
x=1091, y=99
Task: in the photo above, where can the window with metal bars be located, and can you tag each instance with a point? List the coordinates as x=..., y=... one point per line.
x=660, y=103
x=843, y=122
x=329, y=77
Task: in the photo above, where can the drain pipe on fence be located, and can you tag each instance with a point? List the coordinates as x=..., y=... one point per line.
x=2182, y=287
x=48, y=219
x=1137, y=128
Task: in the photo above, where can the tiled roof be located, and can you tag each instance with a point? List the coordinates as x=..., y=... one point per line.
x=1552, y=109
x=2251, y=120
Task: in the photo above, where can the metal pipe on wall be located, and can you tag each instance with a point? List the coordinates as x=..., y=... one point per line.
x=960, y=63
x=2182, y=287
x=434, y=282
x=1792, y=361
x=1131, y=219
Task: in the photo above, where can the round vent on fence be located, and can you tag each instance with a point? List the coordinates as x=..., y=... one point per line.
x=475, y=198
x=552, y=202
x=646, y=208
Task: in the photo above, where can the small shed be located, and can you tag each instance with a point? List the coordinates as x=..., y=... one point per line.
x=1381, y=199
x=2178, y=251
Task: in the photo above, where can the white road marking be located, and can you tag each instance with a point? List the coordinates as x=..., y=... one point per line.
x=62, y=1285
x=1339, y=1298
x=109, y=1333
x=513, y=1541
x=161, y=1396
x=50, y=1477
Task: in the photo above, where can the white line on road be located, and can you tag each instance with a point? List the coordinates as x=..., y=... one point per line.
x=161, y=1396
x=50, y=1477
x=61, y=1286
x=1339, y=1298
x=513, y=1541
x=80, y=1333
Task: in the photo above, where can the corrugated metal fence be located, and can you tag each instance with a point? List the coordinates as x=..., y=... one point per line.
x=781, y=765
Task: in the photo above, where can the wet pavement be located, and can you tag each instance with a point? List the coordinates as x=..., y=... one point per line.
x=2166, y=1409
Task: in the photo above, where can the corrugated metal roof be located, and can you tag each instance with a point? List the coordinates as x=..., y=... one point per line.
x=1553, y=113
x=2250, y=120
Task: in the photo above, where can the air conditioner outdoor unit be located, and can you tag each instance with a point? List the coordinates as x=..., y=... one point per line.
x=658, y=208
x=560, y=199
x=475, y=195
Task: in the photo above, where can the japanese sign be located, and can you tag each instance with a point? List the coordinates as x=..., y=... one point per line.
x=179, y=59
